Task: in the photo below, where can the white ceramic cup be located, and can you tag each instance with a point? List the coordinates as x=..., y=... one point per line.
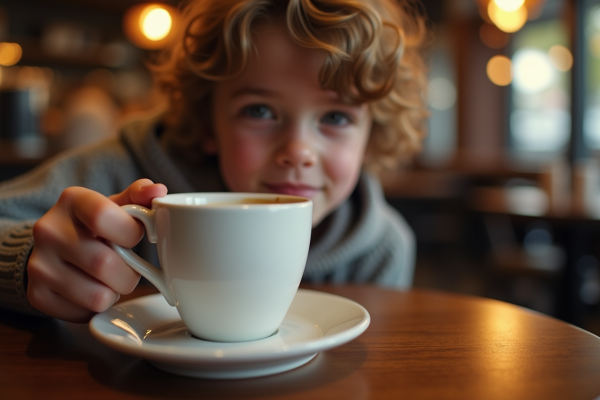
x=230, y=262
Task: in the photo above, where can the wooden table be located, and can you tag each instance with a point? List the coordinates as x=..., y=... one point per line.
x=421, y=344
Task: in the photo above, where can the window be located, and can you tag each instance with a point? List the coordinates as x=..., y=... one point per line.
x=591, y=55
x=440, y=142
x=540, y=117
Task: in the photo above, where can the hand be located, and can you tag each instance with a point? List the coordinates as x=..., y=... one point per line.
x=72, y=272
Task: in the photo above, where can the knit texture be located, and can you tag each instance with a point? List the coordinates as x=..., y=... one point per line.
x=14, y=251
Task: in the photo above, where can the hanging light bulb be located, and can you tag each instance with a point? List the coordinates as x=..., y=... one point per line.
x=155, y=22
x=507, y=21
x=509, y=5
x=149, y=26
x=487, y=8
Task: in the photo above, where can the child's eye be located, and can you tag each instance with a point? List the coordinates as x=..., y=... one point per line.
x=258, y=111
x=335, y=118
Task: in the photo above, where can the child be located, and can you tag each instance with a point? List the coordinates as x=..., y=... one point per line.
x=292, y=97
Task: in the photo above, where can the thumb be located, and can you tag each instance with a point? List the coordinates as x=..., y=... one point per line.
x=140, y=192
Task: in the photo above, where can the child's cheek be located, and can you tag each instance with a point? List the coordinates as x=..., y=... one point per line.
x=343, y=170
x=248, y=156
x=241, y=164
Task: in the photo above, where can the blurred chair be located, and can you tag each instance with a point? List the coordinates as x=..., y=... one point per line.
x=525, y=271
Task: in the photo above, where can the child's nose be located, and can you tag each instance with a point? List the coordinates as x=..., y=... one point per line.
x=296, y=153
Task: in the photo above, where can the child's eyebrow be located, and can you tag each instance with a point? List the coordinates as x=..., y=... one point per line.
x=330, y=97
x=253, y=90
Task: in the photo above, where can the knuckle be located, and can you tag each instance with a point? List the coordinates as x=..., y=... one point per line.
x=110, y=269
x=43, y=230
x=100, y=216
x=37, y=271
x=100, y=299
x=101, y=264
x=68, y=194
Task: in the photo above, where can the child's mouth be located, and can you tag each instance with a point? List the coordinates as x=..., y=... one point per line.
x=292, y=189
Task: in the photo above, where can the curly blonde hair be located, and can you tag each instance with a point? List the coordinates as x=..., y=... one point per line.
x=374, y=54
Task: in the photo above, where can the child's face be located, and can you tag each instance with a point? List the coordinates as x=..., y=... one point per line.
x=277, y=131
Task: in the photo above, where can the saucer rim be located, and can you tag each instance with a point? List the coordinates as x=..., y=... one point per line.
x=185, y=354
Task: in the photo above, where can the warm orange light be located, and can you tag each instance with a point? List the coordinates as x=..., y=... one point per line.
x=149, y=26
x=10, y=54
x=561, y=57
x=155, y=22
x=29, y=76
x=509, y=5
x=507, y=21
x=534, y=7
x=499, y=70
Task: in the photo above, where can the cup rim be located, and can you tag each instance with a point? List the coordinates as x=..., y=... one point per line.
x=295, y=201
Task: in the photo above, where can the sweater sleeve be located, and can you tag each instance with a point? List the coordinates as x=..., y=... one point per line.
x=15, y=246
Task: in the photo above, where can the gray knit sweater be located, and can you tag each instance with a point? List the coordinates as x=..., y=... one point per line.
x=364, y=240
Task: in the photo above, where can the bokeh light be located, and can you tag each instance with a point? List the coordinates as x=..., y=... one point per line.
x=10, y=53
x=499, y=70
x=155, y=22
x=442, y=93
x=561, y=57
x=507, y=21
x=509, y=5
x=149, y=25
x=533, y=70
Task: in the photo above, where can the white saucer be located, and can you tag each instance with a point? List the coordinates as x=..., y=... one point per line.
x=148, y=327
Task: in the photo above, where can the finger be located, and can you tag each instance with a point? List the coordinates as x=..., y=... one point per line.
x=103, y=263
x=100, y=216
x=140, y=192
x=79, y=248
x=100, y=261
x=54, y=305
x=48, y=275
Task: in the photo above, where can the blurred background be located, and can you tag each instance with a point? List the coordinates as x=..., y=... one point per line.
x=504, y=198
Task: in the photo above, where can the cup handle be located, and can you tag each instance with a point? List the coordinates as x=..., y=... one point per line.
x=155, y=275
